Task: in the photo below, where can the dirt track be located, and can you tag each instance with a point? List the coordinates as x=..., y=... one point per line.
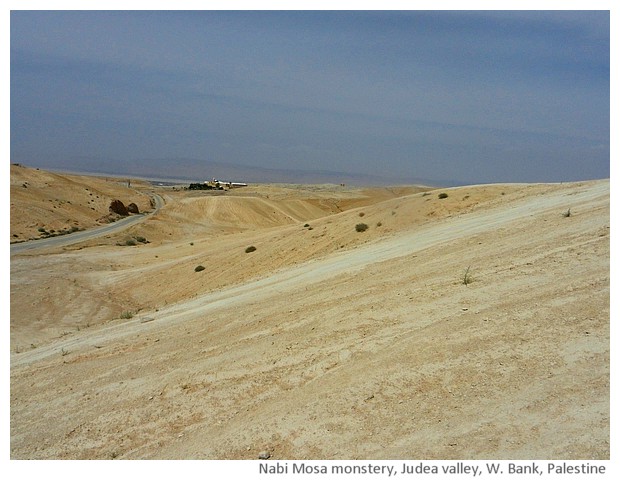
x=372, y=349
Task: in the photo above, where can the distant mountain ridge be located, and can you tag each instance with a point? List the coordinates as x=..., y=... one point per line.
x=195, y=170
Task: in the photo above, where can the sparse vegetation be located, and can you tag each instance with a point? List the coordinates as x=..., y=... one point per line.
x=442, y=195
x=566, y=214
x=361, y=227
x=64, y=352
x=467, y=276
x=379, y=224
x=251, y=248
x=361, y=214
x=199, y=268
x=126, y=315
x=132, y=242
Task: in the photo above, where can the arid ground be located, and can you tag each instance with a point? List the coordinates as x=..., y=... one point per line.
x=475, y=326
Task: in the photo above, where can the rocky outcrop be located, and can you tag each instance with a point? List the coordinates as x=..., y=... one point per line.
x=119, y=208
x=133, y=208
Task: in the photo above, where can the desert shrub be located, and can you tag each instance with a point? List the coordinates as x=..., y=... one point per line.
x=467, y=276
x=250, y=249
x=306, y=225
x=130, y=243
x=127, y=315
x=361, y=214
x=379, y=224
x=443, y=195
x=361, y=227
x=141, y=239
x=566, y=214
x=199, y=268
x=41, y=229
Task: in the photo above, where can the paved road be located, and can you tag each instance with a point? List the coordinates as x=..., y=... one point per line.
x=84, y=235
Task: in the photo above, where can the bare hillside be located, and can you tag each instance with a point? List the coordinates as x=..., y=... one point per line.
x=471, y=326
x=44, y=202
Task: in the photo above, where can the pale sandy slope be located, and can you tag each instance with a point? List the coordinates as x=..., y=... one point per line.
x=372, y=349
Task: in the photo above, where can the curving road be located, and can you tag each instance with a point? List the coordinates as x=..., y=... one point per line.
x=84, y=235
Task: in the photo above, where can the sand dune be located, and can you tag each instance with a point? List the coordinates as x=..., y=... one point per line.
x=324, y=342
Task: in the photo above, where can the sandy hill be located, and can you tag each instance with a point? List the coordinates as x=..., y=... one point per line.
x=53, y=202
x=473, y=324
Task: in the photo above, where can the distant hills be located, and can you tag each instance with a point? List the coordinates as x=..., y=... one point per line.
x=195, y=170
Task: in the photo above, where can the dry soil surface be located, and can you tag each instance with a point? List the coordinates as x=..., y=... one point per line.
x=473, y=327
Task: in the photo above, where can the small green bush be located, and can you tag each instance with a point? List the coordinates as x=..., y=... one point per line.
x=127, y=315
x=250, y=249
x=199, y=268
x=361, y=227
x=443, y=195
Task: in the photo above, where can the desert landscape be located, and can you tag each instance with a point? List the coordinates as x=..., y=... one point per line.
x=308, y=321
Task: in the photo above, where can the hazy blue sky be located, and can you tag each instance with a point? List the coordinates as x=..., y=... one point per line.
x=467, y=96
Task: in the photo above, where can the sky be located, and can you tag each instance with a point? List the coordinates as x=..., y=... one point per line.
x=452, y=97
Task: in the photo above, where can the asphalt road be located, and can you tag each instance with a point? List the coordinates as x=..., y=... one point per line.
x=84, y=235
